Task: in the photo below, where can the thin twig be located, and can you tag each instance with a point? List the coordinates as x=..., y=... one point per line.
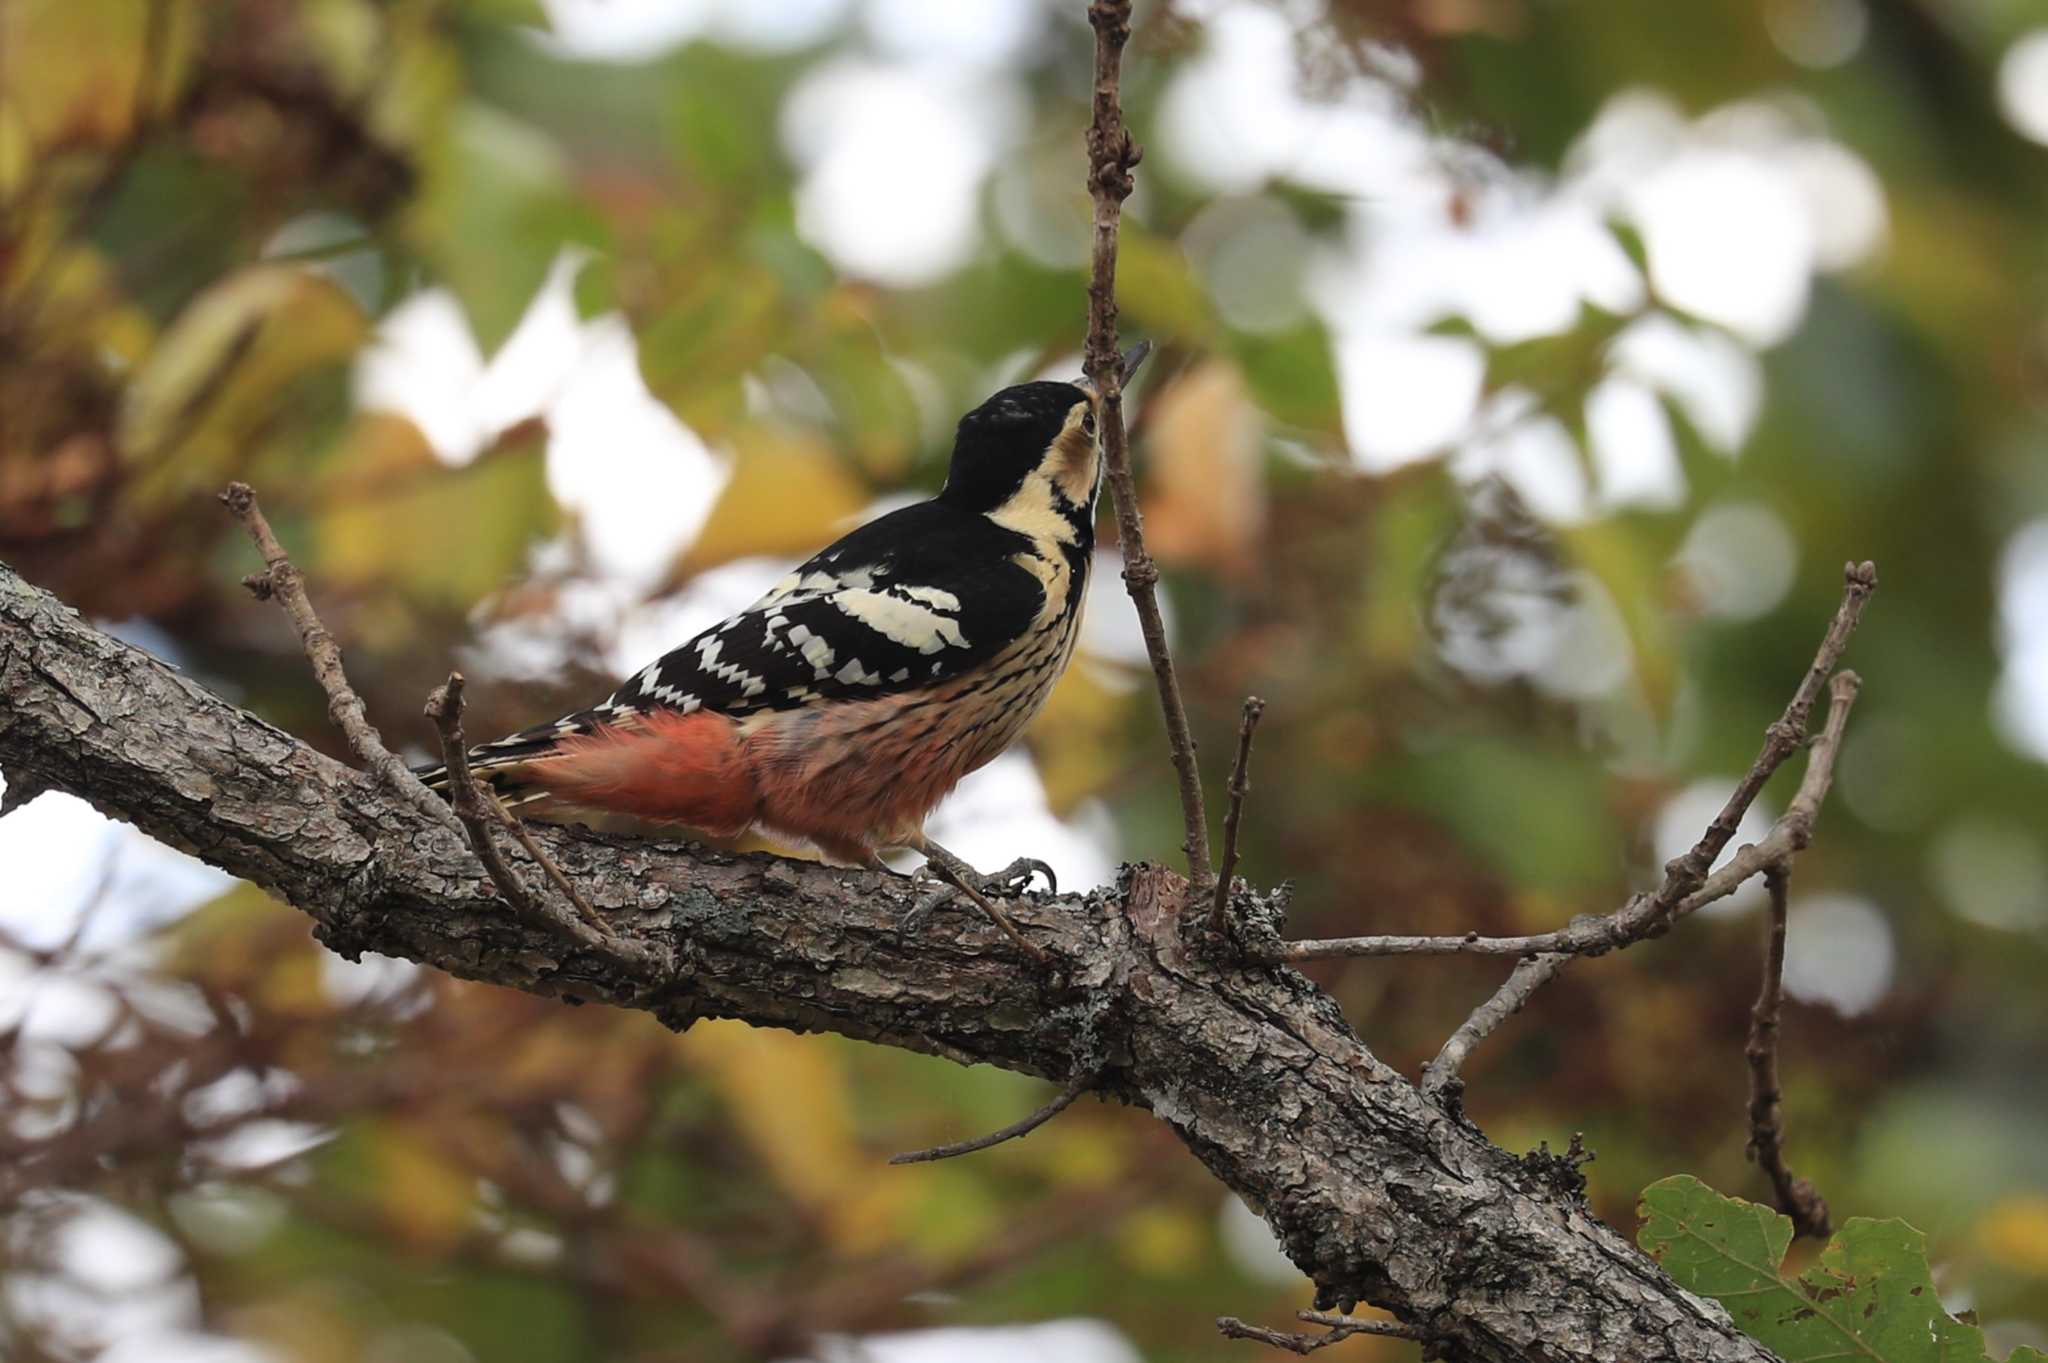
x=1111, y=155
x=1797, y=1197
x=1781, y=740
x=444, y=707
x=1240, y=785
x=282, y=580
x=1076, y=1086
x=1338, y=1328
x=540, y=856
x=1686, y=884
x=1230, y=1327
x=1391, y=1329
x=1643, y=915
x=1522, y=982
x=1683, y=890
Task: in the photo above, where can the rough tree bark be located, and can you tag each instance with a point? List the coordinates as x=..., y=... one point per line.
x=1378, y=1193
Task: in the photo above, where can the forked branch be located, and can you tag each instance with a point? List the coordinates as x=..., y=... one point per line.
x=1687, y=886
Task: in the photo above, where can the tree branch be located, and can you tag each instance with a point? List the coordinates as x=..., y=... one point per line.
x=1111, y=155
x=1374, y=1191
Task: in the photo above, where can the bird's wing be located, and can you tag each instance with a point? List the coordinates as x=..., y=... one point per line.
x=903, y=603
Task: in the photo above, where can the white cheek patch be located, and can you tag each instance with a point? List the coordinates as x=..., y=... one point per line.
x=908, y=623
x=1036, y=510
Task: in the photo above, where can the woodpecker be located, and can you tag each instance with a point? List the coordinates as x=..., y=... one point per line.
x=848, y=701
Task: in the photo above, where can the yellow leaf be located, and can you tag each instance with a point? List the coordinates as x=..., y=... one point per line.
x=391, y=514
x=86, y=81
x=2015, y=1234
x=15, y=151
x=291, y=986
x=789, y=495
x=1077, y=739
x=197, y=406
x=787, y=1094
x=1205, y=480
x=1163, y=1240
x=424, y=1195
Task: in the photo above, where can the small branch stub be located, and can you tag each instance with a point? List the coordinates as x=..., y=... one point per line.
x=1240, y=786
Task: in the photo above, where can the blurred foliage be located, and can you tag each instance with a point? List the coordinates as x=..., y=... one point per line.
x=207, y=209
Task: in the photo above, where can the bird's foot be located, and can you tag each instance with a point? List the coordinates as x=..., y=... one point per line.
x=958, y=877
x=1015, y=879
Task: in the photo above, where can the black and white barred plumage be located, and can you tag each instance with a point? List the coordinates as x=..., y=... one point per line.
x=908, y=602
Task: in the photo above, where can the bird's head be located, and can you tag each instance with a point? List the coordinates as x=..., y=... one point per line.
x=1030, y=451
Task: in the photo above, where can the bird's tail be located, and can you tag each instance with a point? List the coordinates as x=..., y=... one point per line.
x=503, y=766
x=662, y=765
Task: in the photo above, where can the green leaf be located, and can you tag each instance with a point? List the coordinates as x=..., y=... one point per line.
x=1869, y=1296
x=496, y=211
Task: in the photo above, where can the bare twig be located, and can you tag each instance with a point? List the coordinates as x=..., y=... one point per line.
x=1111, y=155
x=281, y=580
x=444, y=707
x=541, y=859
x=1391, y=1329
x=1686, y=886
x=1522, y=982
x=1232, y=1328
x=1064, y=1099
x=1338, y=1328
x=1781, y=739
x=1642, y=916
x=1797, y=1197
x=1240, y=785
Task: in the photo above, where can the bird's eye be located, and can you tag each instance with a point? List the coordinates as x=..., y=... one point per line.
x=1088, y=423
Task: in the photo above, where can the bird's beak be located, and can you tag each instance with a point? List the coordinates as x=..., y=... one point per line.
x=1132, y=358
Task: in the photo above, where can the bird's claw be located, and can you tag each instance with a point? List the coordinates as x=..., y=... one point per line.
x=934, y=890
x=931, y=892
x=1015, y=879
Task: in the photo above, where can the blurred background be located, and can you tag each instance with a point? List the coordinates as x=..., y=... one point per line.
x=1529, y=369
